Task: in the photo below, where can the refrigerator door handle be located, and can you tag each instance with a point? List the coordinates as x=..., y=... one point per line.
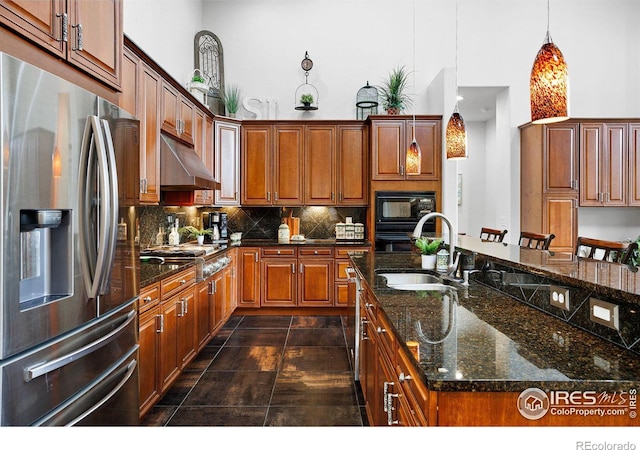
x=131, y=368
x=93, y=264
x=112, y=231
x=38, y=370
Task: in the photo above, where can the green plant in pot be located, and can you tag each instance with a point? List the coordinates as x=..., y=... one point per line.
x=428, y=248
x=193, y=232
x=392, y=91
x=231, y=99
x=306, y=99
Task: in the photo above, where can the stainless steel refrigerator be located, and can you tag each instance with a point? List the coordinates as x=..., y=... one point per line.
x=69, y=255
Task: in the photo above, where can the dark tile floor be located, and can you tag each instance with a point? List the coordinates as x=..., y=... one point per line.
x=267, y=371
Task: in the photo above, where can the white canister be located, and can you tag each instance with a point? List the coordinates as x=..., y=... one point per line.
x=442, y=260
x=349, y=231
x=340, y=230
x=359, y=231
x=283, y=233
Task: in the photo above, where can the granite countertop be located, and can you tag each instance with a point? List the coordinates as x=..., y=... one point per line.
x=478, y=339
x=609, y=279
x=151, y=271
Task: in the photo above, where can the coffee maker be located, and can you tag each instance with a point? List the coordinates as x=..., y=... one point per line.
x=219, y=220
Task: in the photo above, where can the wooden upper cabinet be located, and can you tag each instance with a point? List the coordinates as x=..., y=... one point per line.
x=129, y=100
x=256, y=159
x=203, y=147
x=227, y=160
x=288, y=183
x=561, y=158
x=352, y=167
x=178, y=114
x=87, y=34
x=150, y=101
x=390, y=139
x=633, y=194
x=603, y=164
x=320, y=165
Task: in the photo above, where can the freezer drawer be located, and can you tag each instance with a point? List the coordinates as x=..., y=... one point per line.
x=91, y=371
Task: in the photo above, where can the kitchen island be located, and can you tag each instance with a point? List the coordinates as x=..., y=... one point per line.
x=494, y=352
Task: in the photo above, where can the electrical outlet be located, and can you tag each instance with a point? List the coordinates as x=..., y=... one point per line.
x=559, y=297
x=604, y=313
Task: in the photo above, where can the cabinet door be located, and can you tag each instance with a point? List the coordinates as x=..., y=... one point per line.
x=320, y=165
x=427, y=133
x=256, y=165
x=227, y=162
x=169, y=360
x=616, y=164
x=560, y=217
x=170, y=110
x=186, y=327
x=561, y=158
x=387, y=149
x=148, y=354
x=278, y=277
x=591, y=160
x=96, y=38
x=230, y=299
x=288, y=181
x=248, y=278
x=40, y=22
x=316, y=280
x=352, y=168
x=202, y=197
x=150, y=101
x=187, y=119
x=203, y=303
x=634, y=165
x=130, y=83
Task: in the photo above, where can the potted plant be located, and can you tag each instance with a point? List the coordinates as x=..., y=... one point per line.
x=306, y=100
x=199, y=234
x=394, y=99
x=428, y=248
x=231, y=99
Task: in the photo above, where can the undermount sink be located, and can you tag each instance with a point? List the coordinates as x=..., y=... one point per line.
x=410, y=278
x=414, y=281
x=420, y=287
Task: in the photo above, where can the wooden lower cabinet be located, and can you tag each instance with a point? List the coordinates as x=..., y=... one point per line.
x=149, y=350
x=278, y=278
x=248, y=279
x=177, y=317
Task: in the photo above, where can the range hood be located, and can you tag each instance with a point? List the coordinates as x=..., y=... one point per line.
x=181, y=169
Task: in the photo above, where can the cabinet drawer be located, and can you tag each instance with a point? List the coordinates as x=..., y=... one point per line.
x=278, y=251
x=320, y=251
x=341, y=269
x=149, y=297
x=177, y=282
x=415, y=391
x=386, y=337
x=343, y=252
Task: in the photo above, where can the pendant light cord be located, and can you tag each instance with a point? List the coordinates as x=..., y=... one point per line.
x=457, y=55
x=414, y=70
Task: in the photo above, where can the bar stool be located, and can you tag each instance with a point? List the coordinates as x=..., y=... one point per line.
x=489, y=234
x=613, y=251
x=535, y=240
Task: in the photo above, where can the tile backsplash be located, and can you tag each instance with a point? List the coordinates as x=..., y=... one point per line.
x=316, y=222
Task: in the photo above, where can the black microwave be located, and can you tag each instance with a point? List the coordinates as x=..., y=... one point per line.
x=403, y=207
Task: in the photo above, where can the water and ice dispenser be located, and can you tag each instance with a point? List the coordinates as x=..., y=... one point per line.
x=45, y=256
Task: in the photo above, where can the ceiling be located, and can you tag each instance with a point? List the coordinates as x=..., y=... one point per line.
x=479, y=103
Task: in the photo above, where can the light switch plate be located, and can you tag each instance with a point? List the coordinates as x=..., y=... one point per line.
x=604, y=313
x=559, y=297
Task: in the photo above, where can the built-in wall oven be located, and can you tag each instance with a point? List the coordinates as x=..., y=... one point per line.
x=396, y=215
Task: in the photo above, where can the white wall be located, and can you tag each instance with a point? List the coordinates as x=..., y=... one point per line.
x=355, y=41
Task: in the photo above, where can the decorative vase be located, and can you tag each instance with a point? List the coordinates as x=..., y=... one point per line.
x=200, y=240
x=393, y=111
x=429, y=261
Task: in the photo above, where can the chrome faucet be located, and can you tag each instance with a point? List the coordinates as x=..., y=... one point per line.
x=417, y=233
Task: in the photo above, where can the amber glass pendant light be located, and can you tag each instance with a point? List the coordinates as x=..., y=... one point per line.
x=413, y=158
x=549, y=83
x=456, y=133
